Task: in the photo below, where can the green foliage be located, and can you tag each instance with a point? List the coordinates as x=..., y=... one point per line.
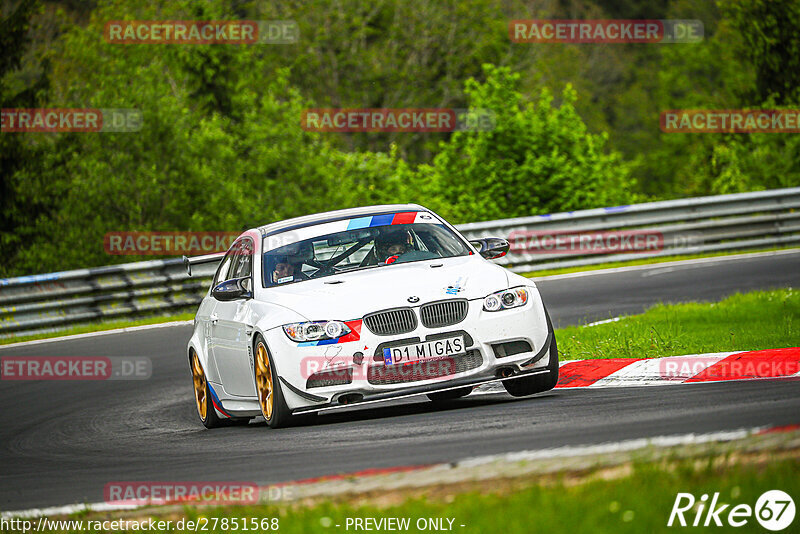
x=17, y=158
x=391, y=54
x=222, y=147
x=768, y=38
x=754, y=162
x=771, y=43
x=617, y=493
x=540, y=158
x=724, y=71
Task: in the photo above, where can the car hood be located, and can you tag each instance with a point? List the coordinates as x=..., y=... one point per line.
x=352, y=295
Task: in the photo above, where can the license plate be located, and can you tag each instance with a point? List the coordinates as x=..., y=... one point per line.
x=427, y=350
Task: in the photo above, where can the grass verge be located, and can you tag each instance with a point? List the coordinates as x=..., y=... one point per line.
x=750, y=321
x=638, y=503
x=633, y=496
x=100, y=327
x=646, y=261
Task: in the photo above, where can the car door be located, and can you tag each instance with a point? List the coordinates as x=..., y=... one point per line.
x=206, y=311
x=231, y=326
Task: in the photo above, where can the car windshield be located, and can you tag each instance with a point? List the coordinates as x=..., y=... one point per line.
x=363, y=244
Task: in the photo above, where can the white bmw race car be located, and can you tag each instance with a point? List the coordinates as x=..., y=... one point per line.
x=360, y=306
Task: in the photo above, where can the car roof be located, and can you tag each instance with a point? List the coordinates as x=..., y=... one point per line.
x=338, y=215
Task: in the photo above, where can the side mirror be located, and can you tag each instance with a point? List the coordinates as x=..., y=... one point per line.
x=238, y=288
x=491, y=248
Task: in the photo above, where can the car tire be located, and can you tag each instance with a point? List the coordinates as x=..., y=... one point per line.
x=522, y=387
x=450, y=394
x=268, y=389
x=202, y=396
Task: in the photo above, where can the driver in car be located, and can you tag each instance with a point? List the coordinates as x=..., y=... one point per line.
x=286, y=270
x=391, y=245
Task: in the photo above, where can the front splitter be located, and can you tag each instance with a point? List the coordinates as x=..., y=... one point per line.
x=415, y=391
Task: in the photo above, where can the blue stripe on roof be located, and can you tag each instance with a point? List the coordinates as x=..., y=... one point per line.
x=361, y=222
x=382, y=220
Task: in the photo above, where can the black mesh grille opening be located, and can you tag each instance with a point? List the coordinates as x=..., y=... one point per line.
x=391, y=322
x=510, y=348
x=400, y=374
x=335, y=377
x=443, y=313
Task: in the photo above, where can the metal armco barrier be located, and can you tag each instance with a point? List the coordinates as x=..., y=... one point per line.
x=50, y=302
x=721, y=223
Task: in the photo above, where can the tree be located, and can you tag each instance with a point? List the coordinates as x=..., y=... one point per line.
x=17, y=158
x=538, y=159
x=771, y=43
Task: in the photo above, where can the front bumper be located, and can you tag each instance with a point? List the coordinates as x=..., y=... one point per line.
x=411, y=391
x=486, y=334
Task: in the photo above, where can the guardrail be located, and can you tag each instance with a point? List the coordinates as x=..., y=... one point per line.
x=50, y=302
x=688, y=226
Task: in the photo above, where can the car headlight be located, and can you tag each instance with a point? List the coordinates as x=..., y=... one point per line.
x=508, y=298
x=316, y=330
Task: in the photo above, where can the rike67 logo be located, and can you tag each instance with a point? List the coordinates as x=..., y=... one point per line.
x=774, y=510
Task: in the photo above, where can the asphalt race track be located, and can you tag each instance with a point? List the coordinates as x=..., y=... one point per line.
x=61, y=442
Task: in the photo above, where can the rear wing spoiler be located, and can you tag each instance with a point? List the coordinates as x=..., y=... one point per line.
x=197, y=260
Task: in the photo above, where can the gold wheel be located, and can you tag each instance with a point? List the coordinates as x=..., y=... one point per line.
x=200, y=386
x=264, y=380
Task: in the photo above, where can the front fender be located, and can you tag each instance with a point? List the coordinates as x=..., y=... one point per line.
x=197, y=343
x=266, y=316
